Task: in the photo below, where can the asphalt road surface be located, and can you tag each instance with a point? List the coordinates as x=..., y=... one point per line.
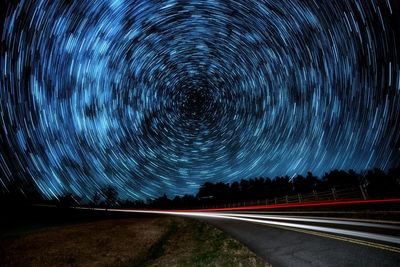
x=297, y=247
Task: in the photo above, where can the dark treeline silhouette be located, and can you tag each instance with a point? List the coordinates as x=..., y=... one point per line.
x=373, y=183
x=369, y=184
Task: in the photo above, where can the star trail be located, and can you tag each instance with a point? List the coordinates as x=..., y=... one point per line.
x=159, y=97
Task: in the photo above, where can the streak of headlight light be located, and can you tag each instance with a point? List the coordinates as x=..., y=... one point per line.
x=328, y=221
x=378, y=237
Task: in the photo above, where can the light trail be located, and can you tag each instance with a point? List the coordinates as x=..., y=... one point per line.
x=245, y=218
x=315, y=220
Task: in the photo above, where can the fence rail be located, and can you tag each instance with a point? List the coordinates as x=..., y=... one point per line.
x=333, y=194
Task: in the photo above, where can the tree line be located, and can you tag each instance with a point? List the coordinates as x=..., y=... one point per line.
x=376, y=183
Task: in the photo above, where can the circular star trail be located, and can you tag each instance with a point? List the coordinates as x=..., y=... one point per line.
x=159, y=97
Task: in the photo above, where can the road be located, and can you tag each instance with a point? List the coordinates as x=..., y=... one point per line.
x=287, y=240
x=289, y=246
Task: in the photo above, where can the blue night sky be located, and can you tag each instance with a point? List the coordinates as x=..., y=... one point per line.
x=159, y=97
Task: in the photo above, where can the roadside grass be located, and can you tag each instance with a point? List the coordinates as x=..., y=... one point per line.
x=161, y=241
x=197, y=243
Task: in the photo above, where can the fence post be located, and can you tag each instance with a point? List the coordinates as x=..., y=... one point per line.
x=315, y=194
x=364, y=194
x=333, y=193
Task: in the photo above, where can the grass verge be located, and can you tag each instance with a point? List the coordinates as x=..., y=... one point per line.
x=163, y=241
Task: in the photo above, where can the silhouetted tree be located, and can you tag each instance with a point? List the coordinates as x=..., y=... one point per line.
x=221, y=192
x=207, y=190
x=282, y=186
x=339, y=178
x=244, y=189
x=95, y=200
x=162, y=202
x=235, y=191
x=268, y=188
x=305, y=184
x=110, y=195
x=189, y=201
x=380, y=184
x=353, y=178
x=177, y=202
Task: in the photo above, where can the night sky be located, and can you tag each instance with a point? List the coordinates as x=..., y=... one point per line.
x=159, y=97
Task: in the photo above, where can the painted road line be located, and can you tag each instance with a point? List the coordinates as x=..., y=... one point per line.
x=345, y=239
x=353, y=233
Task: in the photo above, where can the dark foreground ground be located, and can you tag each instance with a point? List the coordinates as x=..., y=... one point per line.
x=63, y=237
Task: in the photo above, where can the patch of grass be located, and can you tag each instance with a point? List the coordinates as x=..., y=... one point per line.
x=156, y=250
x=200, y=244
